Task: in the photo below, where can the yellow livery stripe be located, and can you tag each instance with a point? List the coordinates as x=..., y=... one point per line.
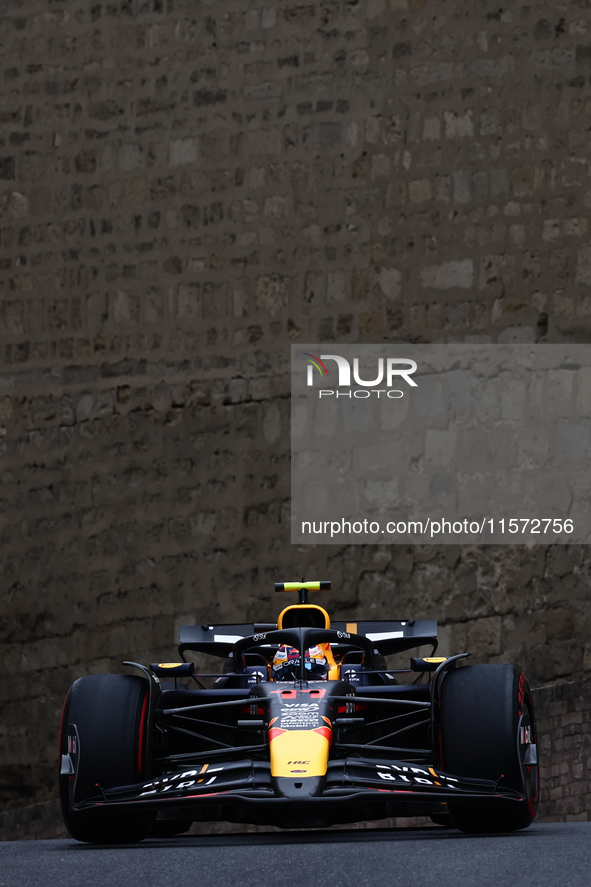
x=304, y=751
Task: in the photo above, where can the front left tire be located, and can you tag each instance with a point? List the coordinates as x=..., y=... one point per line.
x=488, y=729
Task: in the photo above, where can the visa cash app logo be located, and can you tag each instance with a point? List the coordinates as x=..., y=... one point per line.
x=390, y=371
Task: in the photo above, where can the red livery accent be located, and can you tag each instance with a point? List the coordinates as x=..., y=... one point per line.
x=140, y=751
x=324, y=731
x=274, y=732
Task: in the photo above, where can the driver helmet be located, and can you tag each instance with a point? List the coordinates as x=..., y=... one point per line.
x=286, y=662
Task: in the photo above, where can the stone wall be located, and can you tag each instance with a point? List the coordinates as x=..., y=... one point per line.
x=564, y=719
x=185, y=189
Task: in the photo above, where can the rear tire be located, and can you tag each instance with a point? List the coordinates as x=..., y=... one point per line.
x=481, y=707
x=110, y=713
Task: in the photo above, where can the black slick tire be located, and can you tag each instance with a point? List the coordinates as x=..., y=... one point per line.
x=110, y=713
x=480, y=716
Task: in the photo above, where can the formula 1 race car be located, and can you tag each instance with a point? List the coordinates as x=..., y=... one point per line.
x=306, y=727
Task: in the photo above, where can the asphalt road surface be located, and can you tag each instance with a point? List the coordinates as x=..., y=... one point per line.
x=546, y=855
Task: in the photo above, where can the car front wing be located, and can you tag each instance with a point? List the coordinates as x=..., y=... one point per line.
x=354, y=779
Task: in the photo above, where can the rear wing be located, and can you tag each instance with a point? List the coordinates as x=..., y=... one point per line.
x=394, y=637
x=388, y=637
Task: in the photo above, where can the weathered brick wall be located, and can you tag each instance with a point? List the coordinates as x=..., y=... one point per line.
x=185, y=189
x=37, y=822
x=564, y=720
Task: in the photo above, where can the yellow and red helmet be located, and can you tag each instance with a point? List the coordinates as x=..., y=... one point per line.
x=286, y=664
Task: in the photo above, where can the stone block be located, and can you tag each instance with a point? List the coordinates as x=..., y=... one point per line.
x=135, y=190
x=338, y=287
x=263, y=142
x=583, y=272
x=573, y=440
x=129, y=157
x=389, y=280
x=461, y=186
x=499, y=182
x=12, y=318
x=182, y=151
x=441, y=446
x=458, y=273
x=432, y=128
x=420, y=190
x=124, y=307
x=458, y=126
x=558, y=58
x=380, y=166
x=484, y=637
x=271, y=292
x=559, y=624
x=433, y=72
